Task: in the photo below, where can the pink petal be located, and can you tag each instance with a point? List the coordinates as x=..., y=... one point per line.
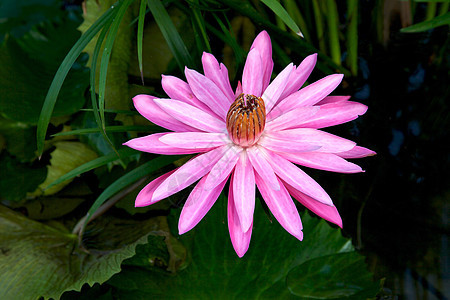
x=285, y=145
x=299, y=75
x=264, y=46
x=238, y=90
x=252, y=79
x=207, y=92
x=282, y=207
x=356, y=152
x=223, y=167
x=333, y=114
x=333, y=99
x=195, y=140
x=218, y=74
x=322, y=161
x=244, y=191
x=144, y=198
x=274, y=90
x=262, y=167
x=239, y=238
x=152, y=144
x=294, y=176
x=292, y=118
x=302, y=137
x=177, y=89
x=152, y=112
x=308, y=95
x=191, y=115
x=189, y=173
x=326, y=212
x=198, y=204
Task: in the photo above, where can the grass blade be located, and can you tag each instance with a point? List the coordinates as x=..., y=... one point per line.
x=140, y=35
x=352, y=36
x=98, y=162
x=93, y=73
x=228, y=38
x=294, y=12
x=63, y=70
x=171, y=35
x=106, y=56
x=297, y=45
x=118, y=128
x=198, y=23
x=279, y=10
x=427, y=25
x=128, y=179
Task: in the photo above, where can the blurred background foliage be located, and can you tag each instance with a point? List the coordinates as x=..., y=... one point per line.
x=67, y=186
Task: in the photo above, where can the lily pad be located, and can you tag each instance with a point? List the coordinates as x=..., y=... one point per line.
x=39, y=260
x=275, y=265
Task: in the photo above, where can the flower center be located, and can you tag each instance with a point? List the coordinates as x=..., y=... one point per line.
x=246, y=119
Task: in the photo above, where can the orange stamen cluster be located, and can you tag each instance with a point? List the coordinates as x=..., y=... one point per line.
x=246, y=119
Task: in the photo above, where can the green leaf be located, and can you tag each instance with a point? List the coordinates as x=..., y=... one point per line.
x=17, y=179
x=430, y=24
x=55, y=87
x=216, y=272
x=19, y=17
x=28, y=66
x=20, y=139
x=39, y=260
x=279, y=10
x=334, y=276
x=171, y=35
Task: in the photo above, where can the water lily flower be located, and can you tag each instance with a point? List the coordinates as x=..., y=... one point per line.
x=255, y=135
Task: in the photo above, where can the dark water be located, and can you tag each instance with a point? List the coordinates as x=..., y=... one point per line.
x=397, y=212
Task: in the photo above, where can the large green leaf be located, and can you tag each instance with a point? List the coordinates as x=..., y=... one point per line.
x=333, y=276
x=16, y=179
x=39, y=260
x=28, y=66
x=20, y=139
x=216, y=272
x=18, y=17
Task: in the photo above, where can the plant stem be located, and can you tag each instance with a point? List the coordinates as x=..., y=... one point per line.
x=352, y=36
x=319, y=27
x=78, y=229
x=333, y=29
x=431, y=11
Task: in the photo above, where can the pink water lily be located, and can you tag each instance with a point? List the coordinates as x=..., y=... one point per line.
x=254, y=136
